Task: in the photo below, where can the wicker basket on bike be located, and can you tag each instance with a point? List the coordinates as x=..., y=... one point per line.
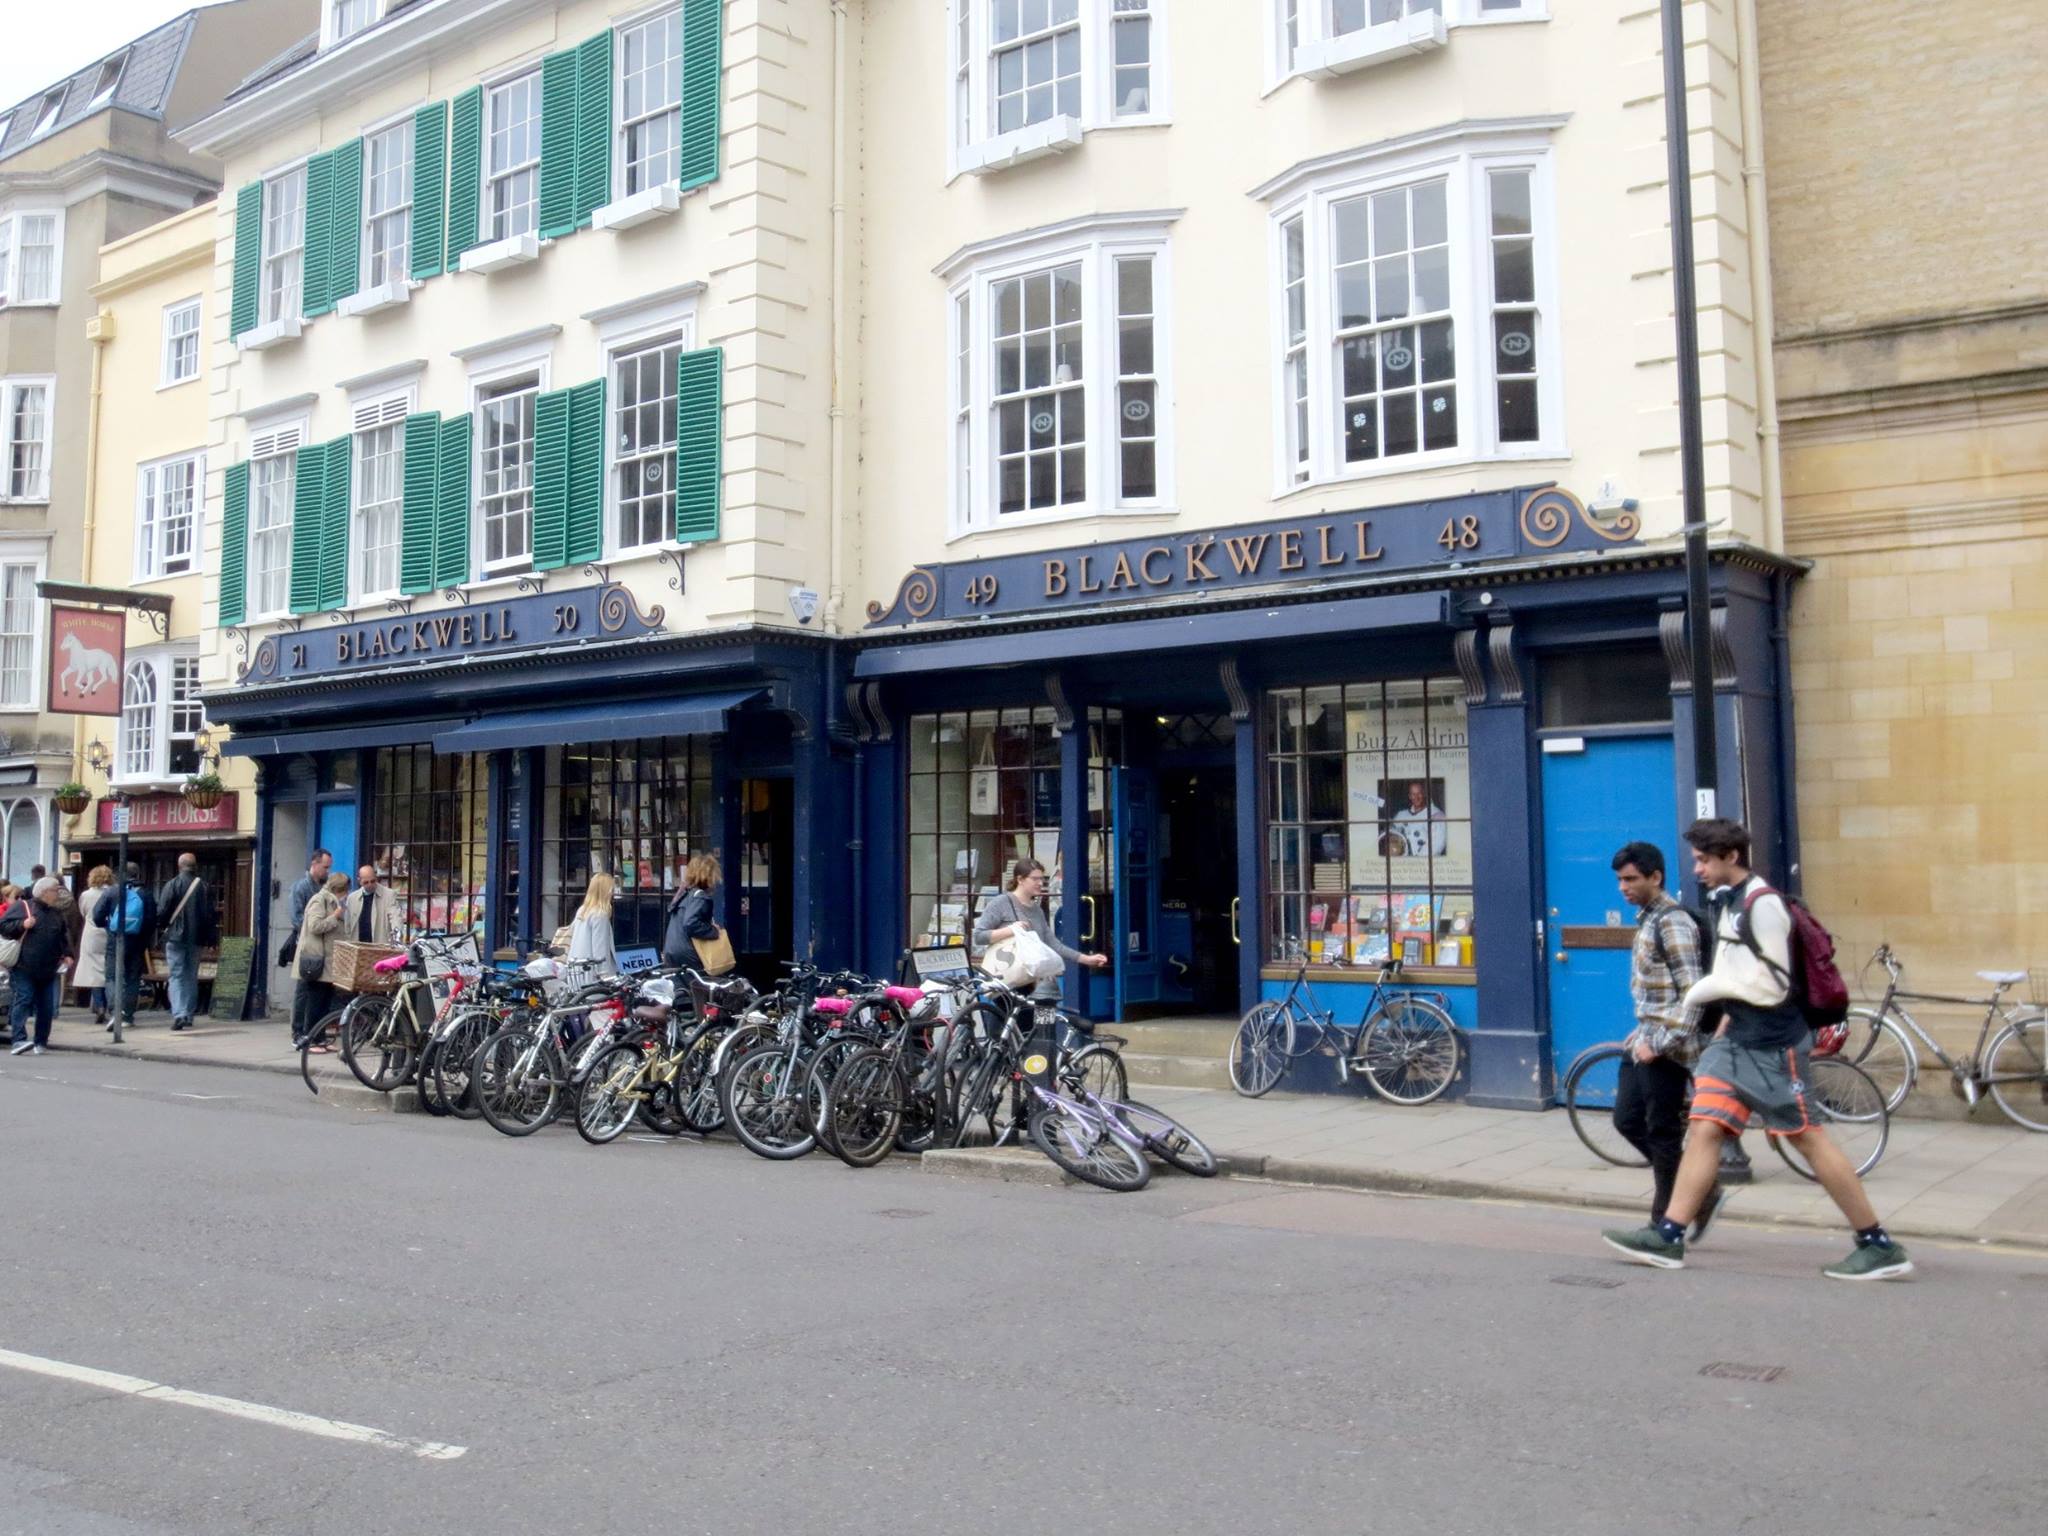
x=351, y=966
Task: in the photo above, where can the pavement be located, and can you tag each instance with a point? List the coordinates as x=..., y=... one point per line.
x=236, y=1310
x=1938, y=1178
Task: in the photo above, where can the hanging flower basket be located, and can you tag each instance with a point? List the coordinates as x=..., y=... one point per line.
x=72, y=799
x=204, y=792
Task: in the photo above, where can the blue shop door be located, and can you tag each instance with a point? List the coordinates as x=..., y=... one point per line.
x=1598, y=793
x=335, y=830
x=1134, y=950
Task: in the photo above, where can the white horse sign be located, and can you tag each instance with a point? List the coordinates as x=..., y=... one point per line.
x=87, y=647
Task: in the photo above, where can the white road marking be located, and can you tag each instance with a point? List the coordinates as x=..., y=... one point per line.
x=234, y=1407
x=209, y=1097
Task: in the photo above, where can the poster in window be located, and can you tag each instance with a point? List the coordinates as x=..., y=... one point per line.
x=1412, y=766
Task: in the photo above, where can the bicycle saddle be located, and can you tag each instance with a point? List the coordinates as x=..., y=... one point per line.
x=392, y=963
x=833, y=1005
x=1996, y=978
x=909, y=997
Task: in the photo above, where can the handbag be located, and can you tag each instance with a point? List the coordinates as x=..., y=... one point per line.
x=983, y=784
x=10, y=952
x=312, y=967
x=715, y=956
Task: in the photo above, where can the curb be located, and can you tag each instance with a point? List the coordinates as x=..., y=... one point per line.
x=179, y=1058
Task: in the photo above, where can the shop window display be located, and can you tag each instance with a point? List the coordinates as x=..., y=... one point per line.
x=635, y=810
x=428, y=819
x=1369, y=824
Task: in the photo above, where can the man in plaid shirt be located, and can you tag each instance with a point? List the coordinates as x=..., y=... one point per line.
x=1656, y=1068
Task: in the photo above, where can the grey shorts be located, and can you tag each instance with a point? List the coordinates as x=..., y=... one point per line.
x=1731, y=1082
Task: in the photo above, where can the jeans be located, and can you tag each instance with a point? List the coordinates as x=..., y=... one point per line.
x=132, y=961
x=181, y=958
x=99, y=1000
x=1649, y=1111
x=33, y=997
x=311, y=1002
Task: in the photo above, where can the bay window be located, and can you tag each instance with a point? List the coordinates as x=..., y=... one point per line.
x=31, y=258
x=25, y=424
x=19, y=608
x=1328, y=37
x=1028, y=76
x=161, y=717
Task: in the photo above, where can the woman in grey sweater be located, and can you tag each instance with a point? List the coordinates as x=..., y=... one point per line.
x=1023, y=906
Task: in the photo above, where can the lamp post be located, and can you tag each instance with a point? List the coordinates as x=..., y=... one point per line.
x=102, y=762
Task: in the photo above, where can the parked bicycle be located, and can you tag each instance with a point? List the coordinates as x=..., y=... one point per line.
x=1405, y=1043
x=2009, y=1060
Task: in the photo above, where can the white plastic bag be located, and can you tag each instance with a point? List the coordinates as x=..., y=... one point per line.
x=1037, y=957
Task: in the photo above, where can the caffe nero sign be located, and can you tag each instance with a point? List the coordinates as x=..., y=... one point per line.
x=1460, y=530
x=532, y=622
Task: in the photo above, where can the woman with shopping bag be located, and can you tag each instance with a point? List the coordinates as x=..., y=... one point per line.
x=690, y=937
x=1018, y=916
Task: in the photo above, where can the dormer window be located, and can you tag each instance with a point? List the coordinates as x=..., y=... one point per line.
x=47, y=113
x=345, y=18
x=110, y=78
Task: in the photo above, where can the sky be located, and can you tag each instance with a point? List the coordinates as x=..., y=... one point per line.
x=50, y=39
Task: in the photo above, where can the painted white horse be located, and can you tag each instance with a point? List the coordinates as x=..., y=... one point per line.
x=88, y=667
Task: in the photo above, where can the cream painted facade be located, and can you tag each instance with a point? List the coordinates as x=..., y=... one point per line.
x=1570, y=91
x=1912, y=346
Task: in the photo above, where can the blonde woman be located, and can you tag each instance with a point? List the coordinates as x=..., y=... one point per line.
x=91, y=975
x=591, y=952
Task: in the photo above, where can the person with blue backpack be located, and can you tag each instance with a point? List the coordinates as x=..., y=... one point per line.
x=1774, y=979
x=132, y=922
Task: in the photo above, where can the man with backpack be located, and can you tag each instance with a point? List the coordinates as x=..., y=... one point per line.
x=1656, y=1065
x=1773, y=975
x=132, y=926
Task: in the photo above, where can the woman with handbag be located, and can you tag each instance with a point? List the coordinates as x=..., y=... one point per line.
x=1022, y=909
x=691, y=937
x=326, y=912
x=592, y=954
x=91, y=975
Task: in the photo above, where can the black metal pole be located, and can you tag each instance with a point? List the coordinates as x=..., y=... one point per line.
x=118, y=948
x=1692, y=457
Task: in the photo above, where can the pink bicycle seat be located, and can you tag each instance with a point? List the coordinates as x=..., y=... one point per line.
x=833, y=1005
x=386, y=966
x=909, y=997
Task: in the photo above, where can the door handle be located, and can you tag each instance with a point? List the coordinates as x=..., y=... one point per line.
x=1089, y=903
x=1562, y=957
x=1235, y=936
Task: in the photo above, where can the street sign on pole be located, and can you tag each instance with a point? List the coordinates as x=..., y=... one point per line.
x=121, y=816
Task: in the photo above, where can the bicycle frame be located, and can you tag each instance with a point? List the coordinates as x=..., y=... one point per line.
x=1996, y=1011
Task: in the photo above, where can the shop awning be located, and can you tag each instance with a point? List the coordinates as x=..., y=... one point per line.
x=700, y=714
x=339, y=739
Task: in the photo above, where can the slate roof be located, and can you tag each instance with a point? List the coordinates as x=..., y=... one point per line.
x=150, y=65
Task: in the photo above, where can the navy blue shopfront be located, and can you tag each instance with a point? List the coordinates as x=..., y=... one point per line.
x=1418, y=731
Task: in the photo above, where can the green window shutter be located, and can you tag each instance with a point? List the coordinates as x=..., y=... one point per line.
x=316, y=262
x=586, y=472
x=310, y=481
x=465, y=171
x=551, y=480
x=234, y=543
x=703, y=37
x=451, y=506
x=700, y=442
x=422, y=479
x=345, y=240
x=593, y=125
x=334, y=509
x=429, y=189
x=558, y=144
x=248, y=257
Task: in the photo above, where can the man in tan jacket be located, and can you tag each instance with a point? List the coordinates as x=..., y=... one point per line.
x=372, y=915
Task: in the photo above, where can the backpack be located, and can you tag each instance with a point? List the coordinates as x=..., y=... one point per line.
x=128, y=921
x=1816, y=983
x=1703, y=932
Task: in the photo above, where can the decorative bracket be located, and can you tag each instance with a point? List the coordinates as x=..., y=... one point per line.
x=1500, y=648
x=339, y=616
x=1465, y=649
x=159, y=620
x=238, y=636
x=1234, y=690
x=673, y=557
x=456, y=595
x=1678, y=655
x=603, y=573
x=1056, y=695
x=531, y=582
x=293, y=624
x=398, y=605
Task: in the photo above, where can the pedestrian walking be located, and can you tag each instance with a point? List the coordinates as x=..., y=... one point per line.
x=133, y=925
x=690, y=936
x=1756, y=1064
x=371, y=916
x=37, y=925
x=91, y=975
x=1657, y=1056
x=320, y=924
x=189, y=925
x=592, y=953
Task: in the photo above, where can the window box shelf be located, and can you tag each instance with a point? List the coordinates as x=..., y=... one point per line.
x=512, y=251
x=640, y=208
x=1423, y=32
x=370, y=301
x=263, y=337
x=1055, y=136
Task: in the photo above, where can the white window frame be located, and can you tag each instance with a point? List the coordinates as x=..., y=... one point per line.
x=173, y=319
x=272, y=440
x=51, y=109
x=620, y=28
x=532, y=363
x=109, y=80
x=330, y=23
x=285, y=313
x=381, y=411
x=681, y=334
x=162, y=663
x=972, y=471
x=152, y=529
x=1314, y=18
x=12, y=225
x=39, y=492
x=487, y=230
x=402, y=277
x=1463, y=162
x=973, y=143
x=33, y=557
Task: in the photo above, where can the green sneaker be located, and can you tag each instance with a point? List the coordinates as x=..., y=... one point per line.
x=1646, y=1245
x=1873, y=1261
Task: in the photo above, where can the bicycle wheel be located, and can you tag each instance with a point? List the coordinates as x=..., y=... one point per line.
x=1409, y=1052
x=864, y=1106
x=455, y=1061
x=696, y=1087
x=371, y=1044
x=517, y=1082
x=606, y=1106
x=763, y=1100
x=1851, y=1110
x=423, y=1080
x=2017, y=1072
x=1880, y=1046
x=1261, y=1050
x=1588, y=1096
x=322, y=1065
x=985, y=1100
x=1082, y=1144
x=1100, y=1070
x=825, y=1065
x=1174, y=1142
